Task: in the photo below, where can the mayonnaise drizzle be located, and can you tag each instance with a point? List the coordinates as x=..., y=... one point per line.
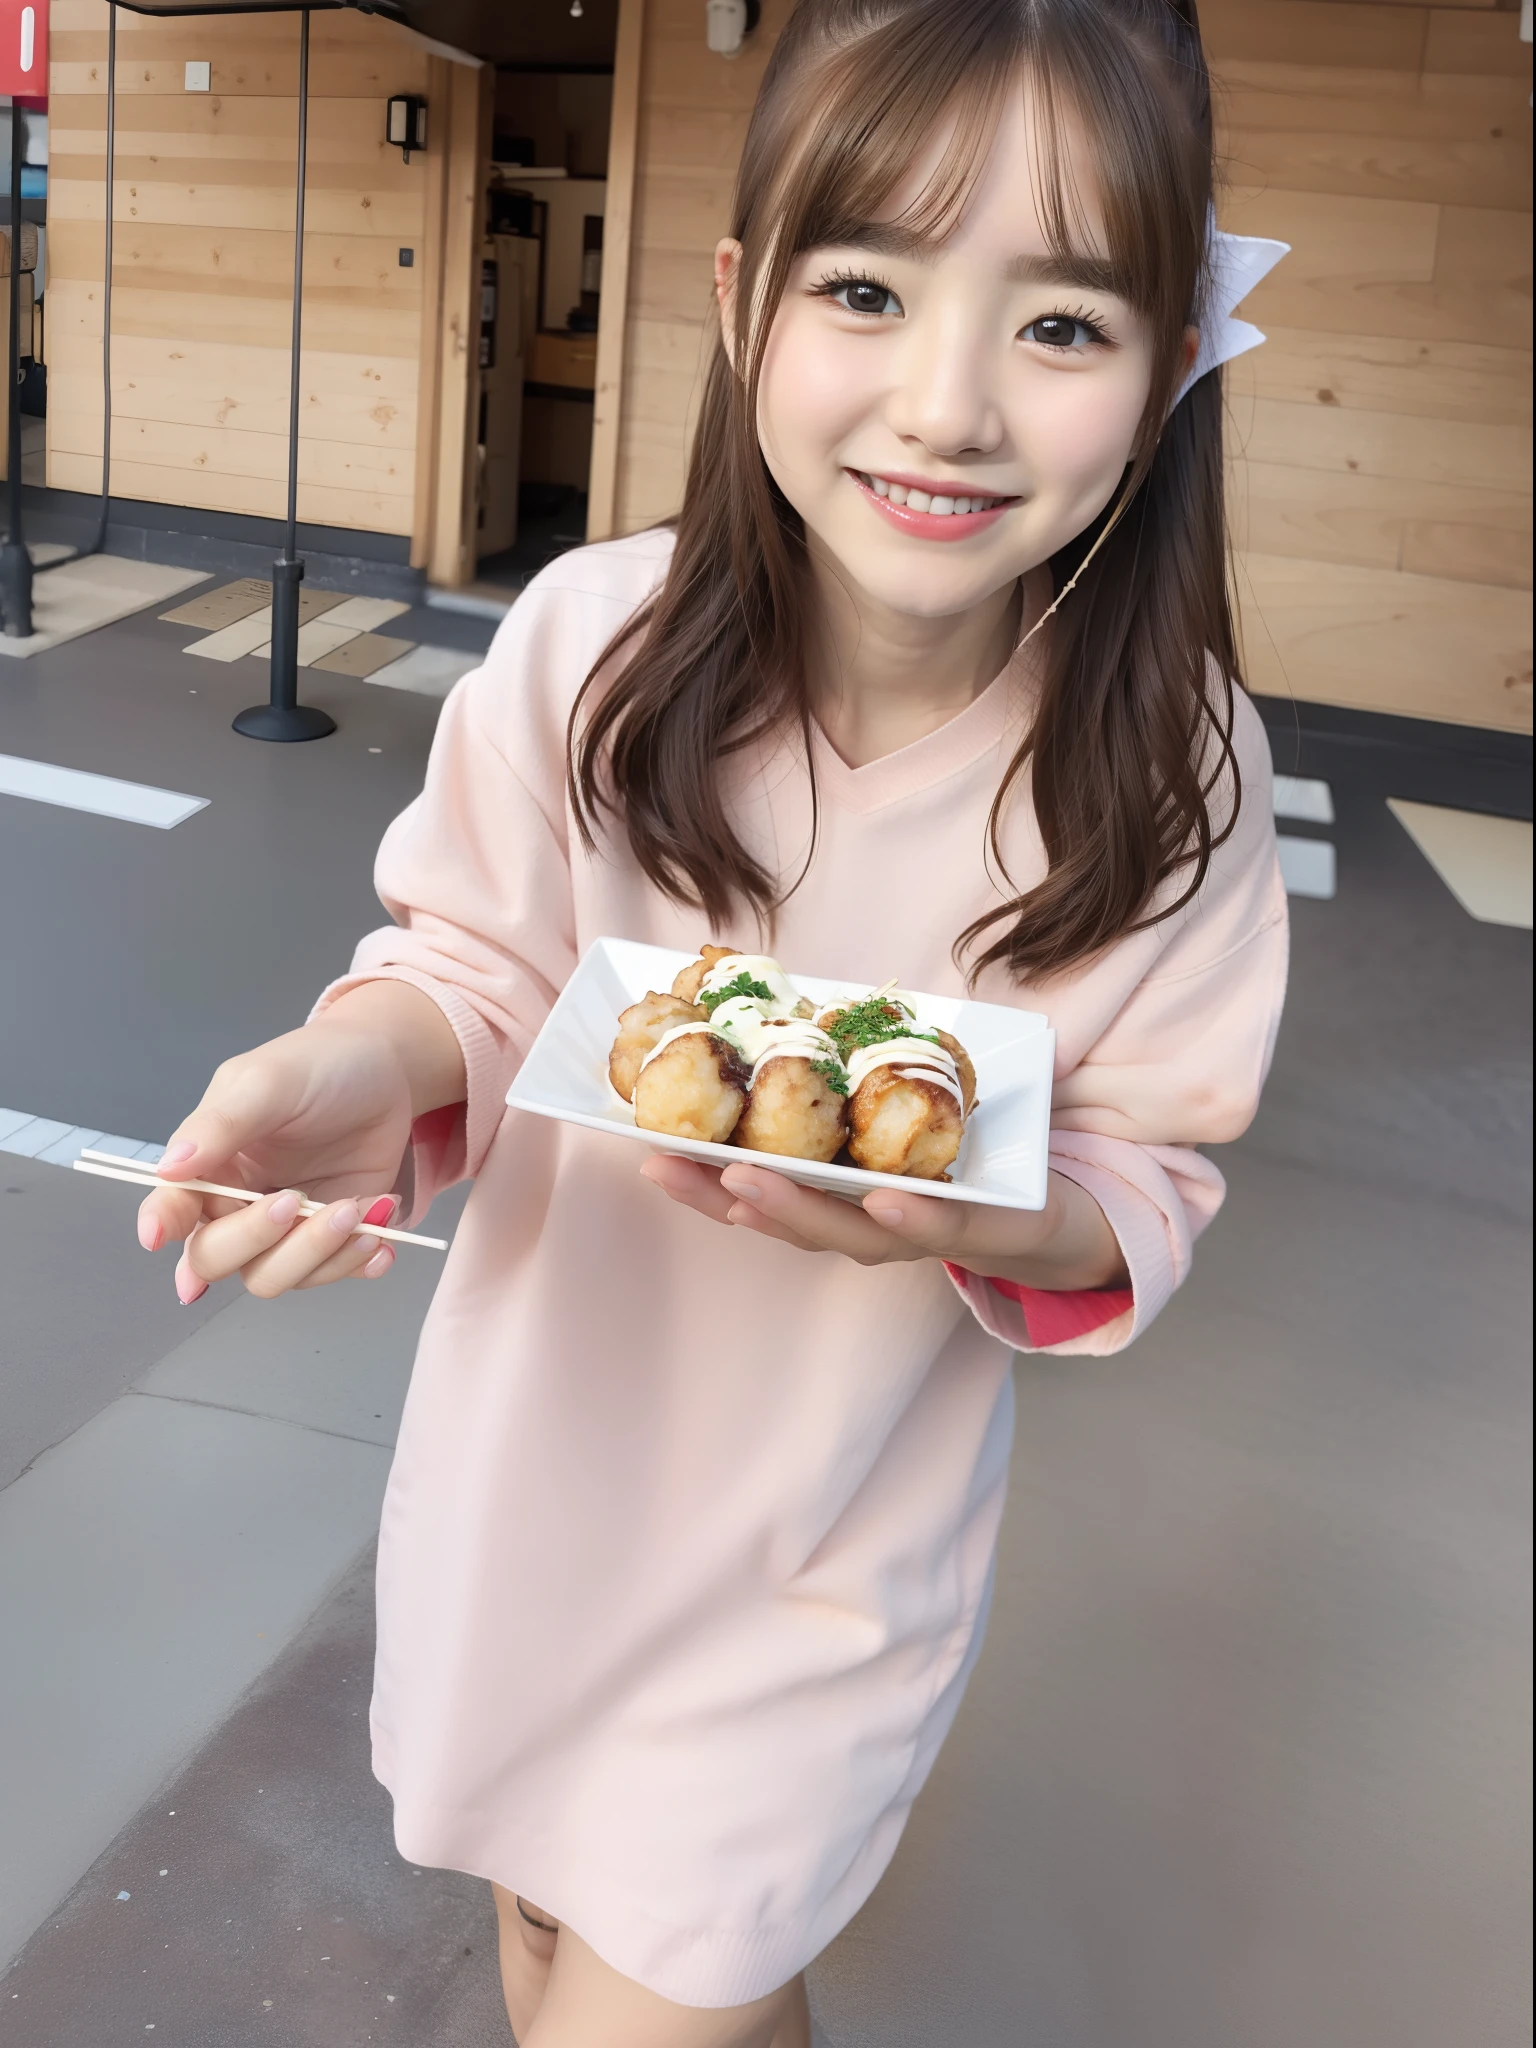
x=916, y=1059
x=758, y=967
x=760, y=1039
x=677, y=1031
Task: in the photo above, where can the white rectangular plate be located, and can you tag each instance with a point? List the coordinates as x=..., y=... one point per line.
x=1002, y=1158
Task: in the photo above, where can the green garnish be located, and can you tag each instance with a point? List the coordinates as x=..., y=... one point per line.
x=710, y=999
x=833, y=1073
x=874, y=1021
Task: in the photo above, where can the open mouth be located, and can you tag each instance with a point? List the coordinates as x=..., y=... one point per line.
x=936, y=504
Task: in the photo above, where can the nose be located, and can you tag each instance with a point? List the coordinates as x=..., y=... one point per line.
x=943, y=396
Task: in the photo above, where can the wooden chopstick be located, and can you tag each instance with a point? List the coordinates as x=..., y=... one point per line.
x=109, y=1166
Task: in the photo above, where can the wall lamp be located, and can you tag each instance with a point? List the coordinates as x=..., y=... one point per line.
x=406, y=126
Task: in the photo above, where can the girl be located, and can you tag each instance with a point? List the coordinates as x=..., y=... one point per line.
x=687, y=1547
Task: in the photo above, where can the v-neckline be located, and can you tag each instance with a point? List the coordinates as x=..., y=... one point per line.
x=935, y=757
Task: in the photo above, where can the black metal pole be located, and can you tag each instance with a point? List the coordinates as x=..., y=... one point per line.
x=15, y=562
x=100, y=541
x=283, y=717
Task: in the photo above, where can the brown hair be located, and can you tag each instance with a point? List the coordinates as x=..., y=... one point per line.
x=1133, y=730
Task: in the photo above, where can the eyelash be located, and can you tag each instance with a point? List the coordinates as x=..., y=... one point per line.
x=838, y=280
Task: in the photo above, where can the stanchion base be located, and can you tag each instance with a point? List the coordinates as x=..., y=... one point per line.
x=284, y=722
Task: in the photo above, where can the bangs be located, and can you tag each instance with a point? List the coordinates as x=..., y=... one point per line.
x=852, y=115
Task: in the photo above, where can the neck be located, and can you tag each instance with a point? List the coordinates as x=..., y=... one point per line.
x=881, y=679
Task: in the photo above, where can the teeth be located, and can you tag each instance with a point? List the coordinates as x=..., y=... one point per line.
x=940, y=504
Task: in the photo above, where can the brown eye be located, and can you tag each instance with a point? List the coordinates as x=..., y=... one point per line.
x=1057, y=330
x=860, y=295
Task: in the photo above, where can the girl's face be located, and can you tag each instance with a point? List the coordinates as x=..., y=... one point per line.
x=944, y=419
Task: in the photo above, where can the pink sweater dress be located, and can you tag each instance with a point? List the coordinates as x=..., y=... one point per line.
x=687, y=1546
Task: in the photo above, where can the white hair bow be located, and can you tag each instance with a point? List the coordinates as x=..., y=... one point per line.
x=1236, y=263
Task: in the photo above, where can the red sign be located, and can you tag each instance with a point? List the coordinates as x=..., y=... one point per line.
x=24, y=49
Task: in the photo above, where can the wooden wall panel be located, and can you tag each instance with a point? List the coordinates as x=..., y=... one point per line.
x=1381, y=480
x=203, y=264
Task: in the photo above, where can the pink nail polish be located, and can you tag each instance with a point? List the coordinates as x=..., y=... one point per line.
x=151, y=1233
x=381, y=1211
x=345, y=1219
x=283, y=1209
x=189, y=1287
x=379, y=1264
x=175, y=1154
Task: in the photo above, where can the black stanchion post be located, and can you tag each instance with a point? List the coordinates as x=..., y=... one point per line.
x=283, y=717
x=15, y=562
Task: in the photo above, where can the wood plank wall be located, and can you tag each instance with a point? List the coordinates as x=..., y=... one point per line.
x=204, y=265
x=1381, y=494
x=1382, y=486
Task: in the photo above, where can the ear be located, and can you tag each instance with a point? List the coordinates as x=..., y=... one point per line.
x=727, y=270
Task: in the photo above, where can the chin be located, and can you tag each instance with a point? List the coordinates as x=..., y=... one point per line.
x=903, y=581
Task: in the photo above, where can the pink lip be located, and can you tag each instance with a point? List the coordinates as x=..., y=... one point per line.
x=928, y=525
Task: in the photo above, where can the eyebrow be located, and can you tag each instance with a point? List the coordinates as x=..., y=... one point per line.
x=1072, y=270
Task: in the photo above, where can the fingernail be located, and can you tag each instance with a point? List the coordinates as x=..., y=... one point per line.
x=382, y=1210
x=151, y=1233
x=173, y=1155
x=344, y=1220
x=380, y=1263
x=189, y=1287
x=744, y=1190
x=886, y=1212
x=282, y=1209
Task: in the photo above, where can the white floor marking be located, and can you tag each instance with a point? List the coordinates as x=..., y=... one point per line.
x=1298, y=796
x=42, y=1137
x=1484, y=862
x=1309, y=866
x=137, y=803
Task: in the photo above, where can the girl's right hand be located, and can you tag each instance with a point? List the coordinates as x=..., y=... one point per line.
x=326, y=1110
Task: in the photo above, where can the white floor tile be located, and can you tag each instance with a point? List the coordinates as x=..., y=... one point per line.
x=34, y=1136
x=1484, y=862
x=320, y=636
x=136, y=803
x=230, y=643
x=1298, y=796
x=12, y=1120
x=1310, y=867
x=366, y=614
x=430, y=671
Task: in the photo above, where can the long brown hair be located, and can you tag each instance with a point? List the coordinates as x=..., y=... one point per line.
x=1133, y=728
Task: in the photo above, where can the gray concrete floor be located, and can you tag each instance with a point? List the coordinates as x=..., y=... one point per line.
x=1244, y=1760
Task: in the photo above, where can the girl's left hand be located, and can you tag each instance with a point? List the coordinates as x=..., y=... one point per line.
x=1068, y=1244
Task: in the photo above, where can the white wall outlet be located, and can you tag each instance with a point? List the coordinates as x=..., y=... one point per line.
x=197, y=77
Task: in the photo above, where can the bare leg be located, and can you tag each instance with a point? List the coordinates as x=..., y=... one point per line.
x=526, y=1955
x=590, y=2005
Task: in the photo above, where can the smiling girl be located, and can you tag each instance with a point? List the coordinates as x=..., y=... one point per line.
x=688, y=1543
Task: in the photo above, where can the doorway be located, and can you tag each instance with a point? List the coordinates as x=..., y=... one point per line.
x=541, y=282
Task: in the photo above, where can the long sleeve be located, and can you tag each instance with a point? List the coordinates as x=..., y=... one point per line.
x=1180, y=1062
x=476, y=873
